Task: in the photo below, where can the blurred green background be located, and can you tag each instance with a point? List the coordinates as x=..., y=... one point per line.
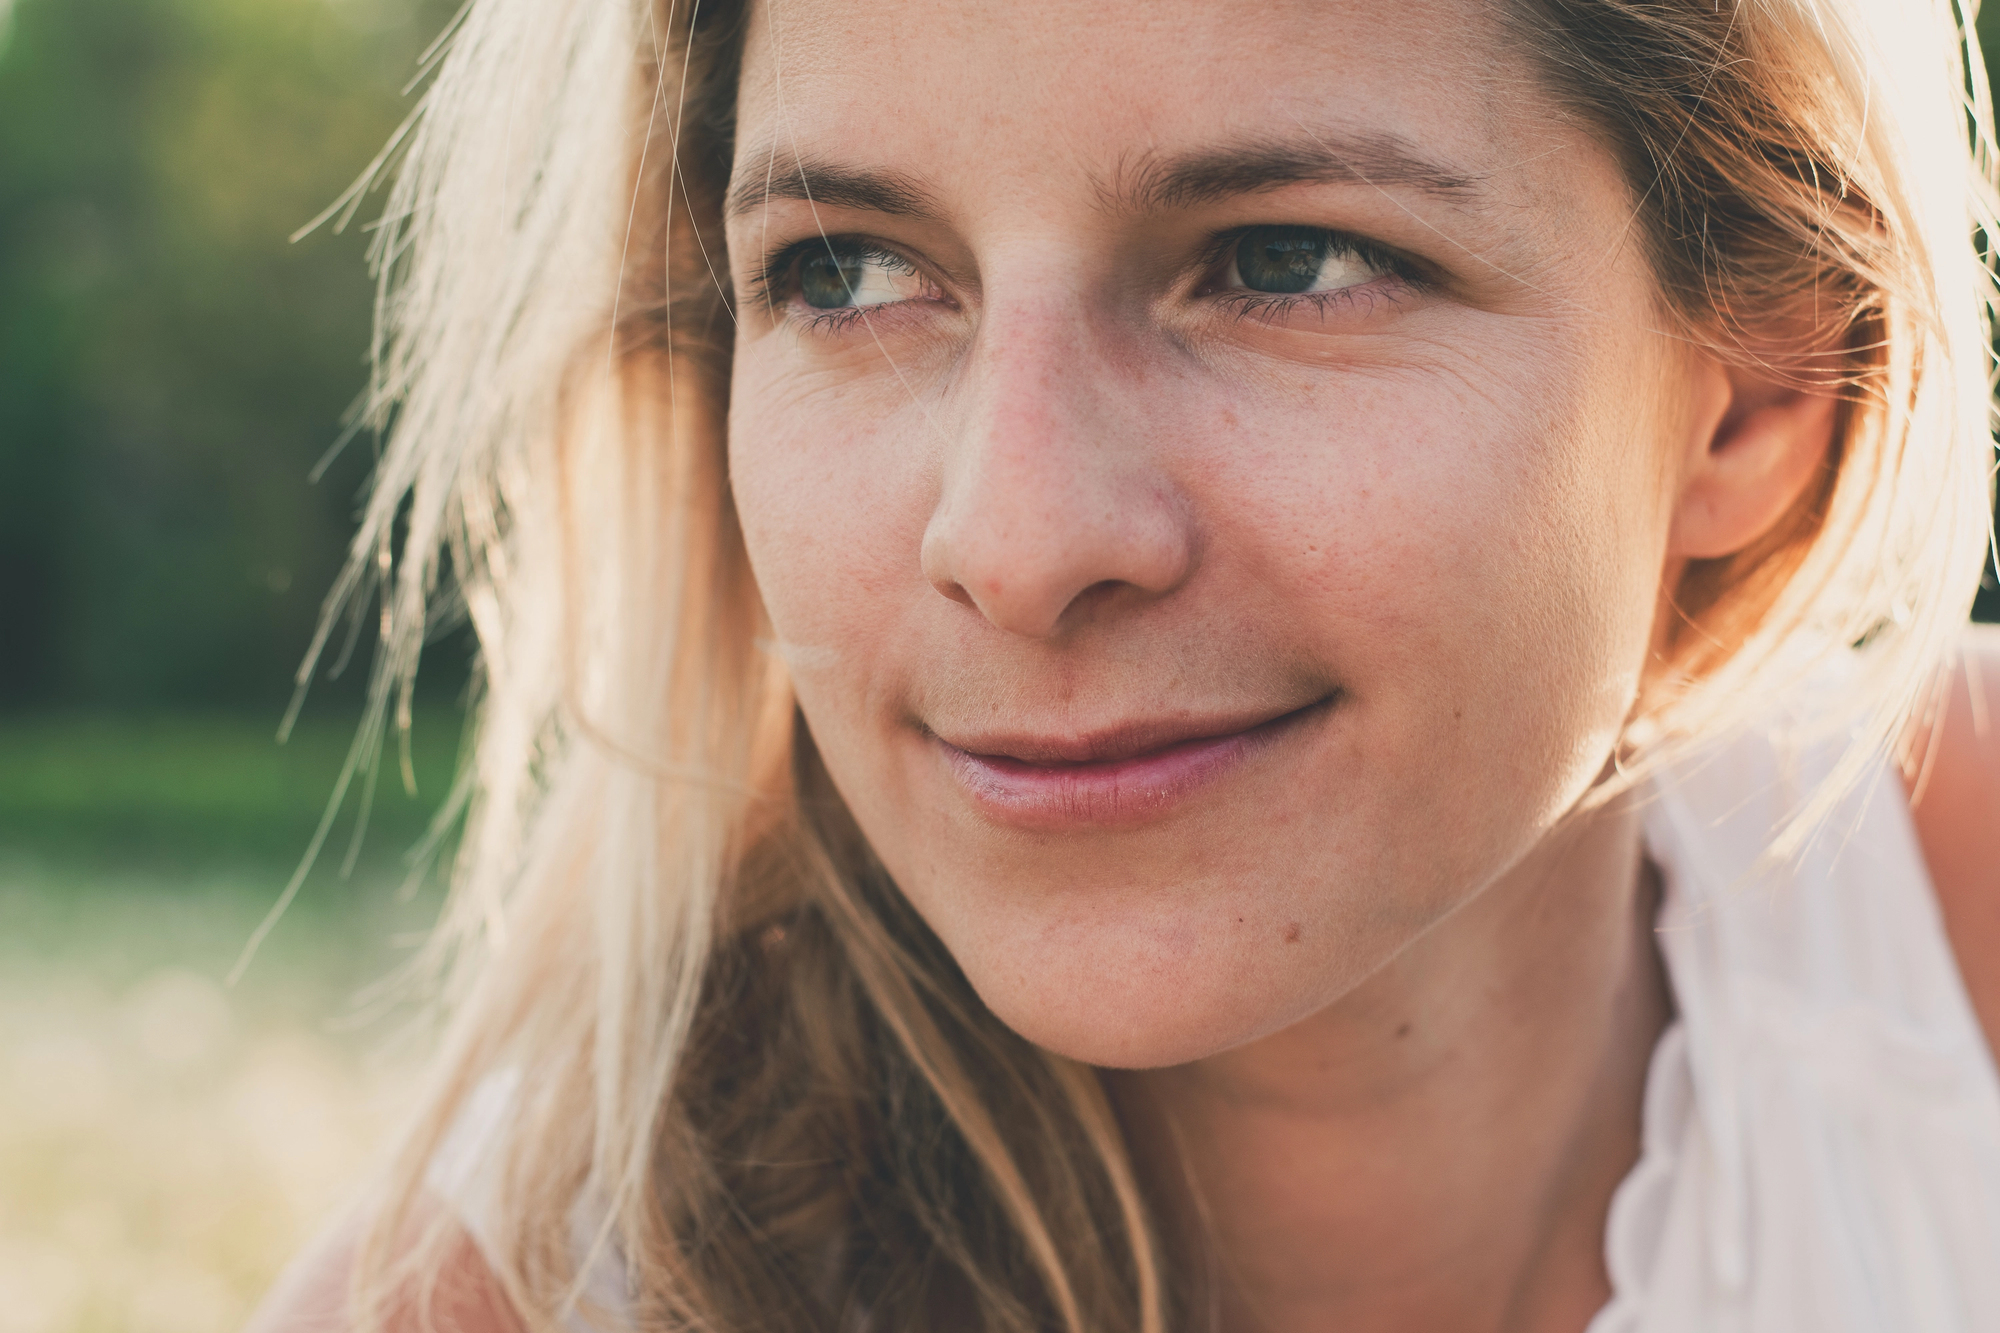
x=172, y=369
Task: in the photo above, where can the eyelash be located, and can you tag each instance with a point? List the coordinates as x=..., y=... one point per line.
x=770, y=284
x=1266, y=306
x=829, y=322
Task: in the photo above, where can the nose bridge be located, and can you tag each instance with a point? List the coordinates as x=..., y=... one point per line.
x=1034, y=401
x=1051, y=486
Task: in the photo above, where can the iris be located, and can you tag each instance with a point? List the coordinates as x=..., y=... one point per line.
x=1282, y=259
x=828, y=280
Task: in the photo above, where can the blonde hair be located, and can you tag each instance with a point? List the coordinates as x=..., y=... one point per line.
x=725, y=1027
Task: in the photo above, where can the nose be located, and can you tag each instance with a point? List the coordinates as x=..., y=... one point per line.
x=1054, y=504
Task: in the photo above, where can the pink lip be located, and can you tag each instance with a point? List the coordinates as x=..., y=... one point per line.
x=1125, y=775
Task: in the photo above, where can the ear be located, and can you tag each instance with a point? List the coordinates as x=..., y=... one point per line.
x=1755, y=444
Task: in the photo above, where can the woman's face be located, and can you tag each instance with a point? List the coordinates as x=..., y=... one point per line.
x=1208, y=465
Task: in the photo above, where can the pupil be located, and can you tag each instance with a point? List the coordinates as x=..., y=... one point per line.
x=827, y=280
x=1281, y=259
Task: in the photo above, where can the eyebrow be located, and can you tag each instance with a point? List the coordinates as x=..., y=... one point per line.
x=1151, y=183
x=815, y=181
x=1155, y=183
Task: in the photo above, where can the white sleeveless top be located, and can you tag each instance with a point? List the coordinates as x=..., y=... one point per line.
x=1822, y=1121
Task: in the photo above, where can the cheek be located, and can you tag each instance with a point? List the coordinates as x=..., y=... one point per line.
x=1480, y=565
x=832, y=503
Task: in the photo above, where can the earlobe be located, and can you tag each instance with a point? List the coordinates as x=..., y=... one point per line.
x=1753, y=453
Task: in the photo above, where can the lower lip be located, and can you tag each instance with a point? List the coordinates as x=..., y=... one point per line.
x=1120, y=791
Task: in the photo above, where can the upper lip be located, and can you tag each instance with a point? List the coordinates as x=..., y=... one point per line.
x=1134, y=739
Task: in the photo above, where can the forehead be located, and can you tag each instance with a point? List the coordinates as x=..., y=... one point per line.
x=1094, y=90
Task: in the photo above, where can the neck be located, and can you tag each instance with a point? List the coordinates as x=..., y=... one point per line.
x=1439, y=1148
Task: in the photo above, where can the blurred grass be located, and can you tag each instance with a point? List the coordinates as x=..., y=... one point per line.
x=187, y=790
x=166, y=1142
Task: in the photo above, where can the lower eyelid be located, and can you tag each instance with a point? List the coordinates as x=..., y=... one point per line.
x=1246, y=304
x=831, y=321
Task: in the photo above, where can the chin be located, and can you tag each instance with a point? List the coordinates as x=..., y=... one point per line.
x=1130, y=999
x=1128, y=1033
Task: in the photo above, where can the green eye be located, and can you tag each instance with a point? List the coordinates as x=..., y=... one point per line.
x=1282, y=259
x=848, y=274
x=1293, y=261
x=828, y=281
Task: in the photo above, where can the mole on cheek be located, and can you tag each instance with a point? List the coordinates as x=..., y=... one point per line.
x=1292, y=933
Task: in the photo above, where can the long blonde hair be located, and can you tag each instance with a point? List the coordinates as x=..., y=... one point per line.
x=724, y=1028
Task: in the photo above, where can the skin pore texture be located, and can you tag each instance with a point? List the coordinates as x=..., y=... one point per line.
x=1218, y=669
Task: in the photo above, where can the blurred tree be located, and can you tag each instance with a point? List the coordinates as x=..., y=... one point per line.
x=171, y=367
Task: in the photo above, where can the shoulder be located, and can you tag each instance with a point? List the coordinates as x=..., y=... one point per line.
x=312, y=1296
x=1955, y=802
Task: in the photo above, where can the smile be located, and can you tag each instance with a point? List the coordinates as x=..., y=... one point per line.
x=1124, y=775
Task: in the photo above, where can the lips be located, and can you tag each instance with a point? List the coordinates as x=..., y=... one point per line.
x=1131, y=773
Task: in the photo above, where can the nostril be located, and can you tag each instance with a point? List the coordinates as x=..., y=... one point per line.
x=1027, y=532
x=947, y=584
x=1095, y=595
